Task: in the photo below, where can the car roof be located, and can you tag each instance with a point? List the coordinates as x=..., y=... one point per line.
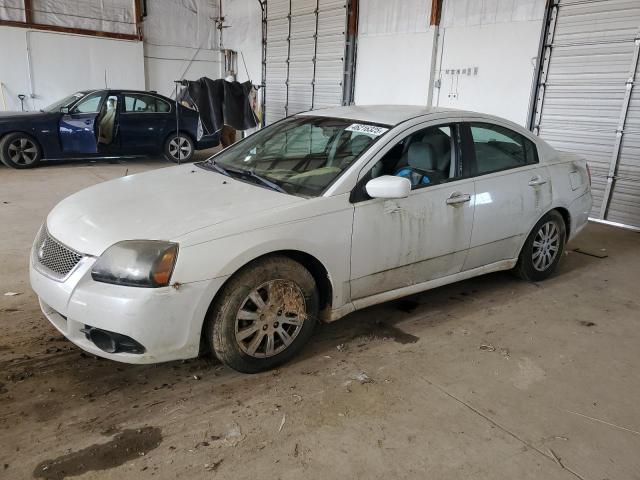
x=383, y=114
x=120, y=90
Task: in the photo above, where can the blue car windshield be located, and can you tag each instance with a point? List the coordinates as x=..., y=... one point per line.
x=301, y=155
x=65, y=102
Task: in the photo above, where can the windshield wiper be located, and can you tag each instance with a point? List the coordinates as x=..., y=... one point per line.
x=262, y=180
x=212, y=163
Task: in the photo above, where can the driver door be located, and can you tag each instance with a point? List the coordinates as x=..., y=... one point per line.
x=78, y=126
x=402, y=242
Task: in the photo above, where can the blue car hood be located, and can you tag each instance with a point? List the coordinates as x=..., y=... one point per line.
x=14, y=115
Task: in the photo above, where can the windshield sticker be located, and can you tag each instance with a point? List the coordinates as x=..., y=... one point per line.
x=369, y=129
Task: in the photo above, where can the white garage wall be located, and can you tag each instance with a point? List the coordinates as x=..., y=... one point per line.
x=103, y=15
x=14, y=80
x=62, y=64
x=244, y=34
x=487, y=56
x=180, y=42
x=395, y=49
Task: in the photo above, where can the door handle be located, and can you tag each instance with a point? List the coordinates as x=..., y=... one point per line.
x=87, y=122
x=537, y=180
x=456, y=198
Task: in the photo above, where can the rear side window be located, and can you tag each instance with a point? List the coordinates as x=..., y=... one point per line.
x=499, y=148
x=140, y=103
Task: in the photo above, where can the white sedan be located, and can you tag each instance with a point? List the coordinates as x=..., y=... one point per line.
x=307, y=220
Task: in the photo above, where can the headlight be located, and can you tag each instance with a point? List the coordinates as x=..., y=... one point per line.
x=137, y=263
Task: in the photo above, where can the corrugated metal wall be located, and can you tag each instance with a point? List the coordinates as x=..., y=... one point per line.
x=305, y=56
x=588, y=97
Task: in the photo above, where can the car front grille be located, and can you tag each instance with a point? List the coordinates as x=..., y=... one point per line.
x=53, y=257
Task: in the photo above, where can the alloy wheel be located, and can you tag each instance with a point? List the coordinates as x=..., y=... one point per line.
x=180, y=148
x=270, y=318
x=546, y=246
x=22, y=151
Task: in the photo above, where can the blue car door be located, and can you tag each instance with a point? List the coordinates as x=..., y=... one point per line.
x=143, y=122
x=78, y=126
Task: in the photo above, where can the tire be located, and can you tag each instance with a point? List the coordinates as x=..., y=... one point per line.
x=538, y=259
x=238, y=328
x=171, y=148
x=20, y=150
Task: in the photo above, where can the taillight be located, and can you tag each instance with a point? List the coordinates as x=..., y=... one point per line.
x=589, y=173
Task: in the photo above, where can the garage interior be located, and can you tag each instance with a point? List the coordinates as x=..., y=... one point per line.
x=492, y=377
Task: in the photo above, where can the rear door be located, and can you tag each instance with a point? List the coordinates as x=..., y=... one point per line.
x=512, y=191
x=143, y=122
x=77, y=128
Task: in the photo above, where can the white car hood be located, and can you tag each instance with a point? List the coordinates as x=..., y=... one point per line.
x=159, y=205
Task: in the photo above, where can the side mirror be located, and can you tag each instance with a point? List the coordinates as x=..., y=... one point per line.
x=388, y=186
x=64, y=110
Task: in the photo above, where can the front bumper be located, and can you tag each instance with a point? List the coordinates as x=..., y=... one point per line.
x=167, y=322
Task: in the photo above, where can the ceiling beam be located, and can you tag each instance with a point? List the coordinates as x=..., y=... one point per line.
x=77, y=31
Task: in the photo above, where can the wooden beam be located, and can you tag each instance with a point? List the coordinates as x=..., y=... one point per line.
x=77, y=31
x=352, y=26
x=137, y=13
x=28, y=12
x=436, y=12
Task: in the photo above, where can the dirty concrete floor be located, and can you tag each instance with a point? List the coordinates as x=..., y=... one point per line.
x=488, y=378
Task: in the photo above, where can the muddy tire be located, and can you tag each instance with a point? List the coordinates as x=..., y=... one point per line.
x=20, y=150
x=543, y=248
x=264, y=315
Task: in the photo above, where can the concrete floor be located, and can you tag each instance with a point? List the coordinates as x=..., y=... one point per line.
x=489, y=378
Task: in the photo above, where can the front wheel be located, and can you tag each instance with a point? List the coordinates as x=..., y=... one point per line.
x=20, y=150
x=543, y=248
x=178, y=148
x=264, y=315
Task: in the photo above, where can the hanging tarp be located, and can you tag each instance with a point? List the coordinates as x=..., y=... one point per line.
x=220, y=103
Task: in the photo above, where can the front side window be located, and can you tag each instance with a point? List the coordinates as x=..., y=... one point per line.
x=141, y=103
x=499, y=148
x=89, y=104
x=426, y=157
x=301, y=155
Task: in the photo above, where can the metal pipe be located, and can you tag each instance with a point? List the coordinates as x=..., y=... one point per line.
x=542, y=48
x=263, y=6
x=315, y=55
x=622, y=120
x=29, y=69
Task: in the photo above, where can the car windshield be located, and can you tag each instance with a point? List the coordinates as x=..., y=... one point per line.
x=300, y=155
x=65, y=102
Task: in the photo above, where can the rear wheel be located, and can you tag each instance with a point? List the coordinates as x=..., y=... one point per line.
x=179, y=148
x=543, y=248
x=264, y=315
x=20, y=150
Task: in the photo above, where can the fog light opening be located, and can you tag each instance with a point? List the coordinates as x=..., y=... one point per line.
x=103, y=340
x=112, y=342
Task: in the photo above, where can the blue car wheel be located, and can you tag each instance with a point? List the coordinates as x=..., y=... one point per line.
x=20, y=150
x=179, y=148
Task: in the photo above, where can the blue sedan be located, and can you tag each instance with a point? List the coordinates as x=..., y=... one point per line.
x=102, y=123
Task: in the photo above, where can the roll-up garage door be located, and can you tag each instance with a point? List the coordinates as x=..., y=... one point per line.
x=588, y=97
x=305, y=51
